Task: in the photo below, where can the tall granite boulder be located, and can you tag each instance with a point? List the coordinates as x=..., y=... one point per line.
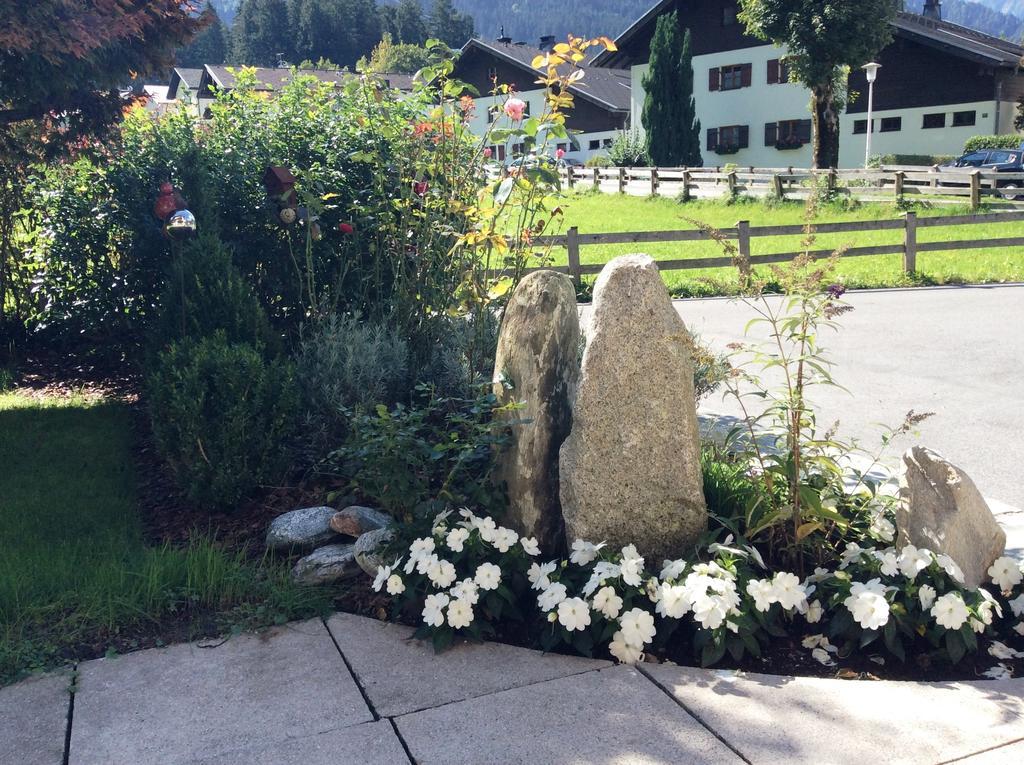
x=941, y=509
x=630, y=469
x=537, y=366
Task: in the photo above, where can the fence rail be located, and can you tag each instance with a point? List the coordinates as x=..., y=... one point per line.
x=896, y=181
x=743, y=234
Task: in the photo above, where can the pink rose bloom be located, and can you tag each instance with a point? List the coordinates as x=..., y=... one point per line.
x=560, y=153
x=487, y=153
x=514, y=108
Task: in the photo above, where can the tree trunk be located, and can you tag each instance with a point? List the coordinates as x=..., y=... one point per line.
x=826, y=127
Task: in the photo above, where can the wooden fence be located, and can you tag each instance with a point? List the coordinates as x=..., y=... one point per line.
x=743, y=234
x=890, y=181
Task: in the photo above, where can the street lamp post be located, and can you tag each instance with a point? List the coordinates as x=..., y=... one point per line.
x=871, y=70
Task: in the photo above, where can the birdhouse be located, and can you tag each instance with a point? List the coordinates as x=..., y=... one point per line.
x=278, y=181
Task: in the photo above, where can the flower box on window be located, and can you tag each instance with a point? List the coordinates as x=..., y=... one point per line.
x=788, y=144
x=727, y=148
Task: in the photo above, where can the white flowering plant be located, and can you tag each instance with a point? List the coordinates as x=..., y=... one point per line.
x=462, y=578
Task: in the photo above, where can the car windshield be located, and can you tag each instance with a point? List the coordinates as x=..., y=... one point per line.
x=975, y=158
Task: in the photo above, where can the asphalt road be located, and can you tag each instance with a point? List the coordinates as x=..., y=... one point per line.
x=957, y=352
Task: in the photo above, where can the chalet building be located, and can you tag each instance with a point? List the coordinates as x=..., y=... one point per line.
x=940, y=84
x=184, y=88
x=602, y=100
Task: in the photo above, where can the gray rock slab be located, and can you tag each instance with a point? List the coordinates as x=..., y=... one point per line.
x=34, y=719
x=327, y=565
x=401, y=675
x=771, y=719
x=301, y=529
x=613, y=715
x=186, y=702
x=367, y=744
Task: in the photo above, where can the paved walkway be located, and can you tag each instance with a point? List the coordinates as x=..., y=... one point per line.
x=354, y=690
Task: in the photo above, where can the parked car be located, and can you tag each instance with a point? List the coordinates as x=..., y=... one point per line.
x=1001, y=161
x=566, y=162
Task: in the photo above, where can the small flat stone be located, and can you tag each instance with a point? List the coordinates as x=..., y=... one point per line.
x=367, y=549
x=327, y=565
x=301, y=529
x=33, y=720
x=354, y=521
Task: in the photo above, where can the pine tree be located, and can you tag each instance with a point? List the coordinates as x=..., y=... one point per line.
x=261, y=34
x=448, y=25
x=670, y=115
x=407, y=23
x=340, y=30
x=207, y=47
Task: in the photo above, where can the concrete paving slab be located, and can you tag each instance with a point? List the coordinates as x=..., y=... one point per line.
x=34, y=720
x=612, y=715
x=366, y=744
x=771, y=719
x=401, y=675
x=187, y=702
x=1013, y=754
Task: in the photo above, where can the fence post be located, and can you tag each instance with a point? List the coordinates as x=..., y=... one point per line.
x=777, y=182
x=686, y=185
x=832, y=178
x=597, y=178
x=654, y=181
x=975, y=189
x=572, y=177
x=900, y=177
x=732, y=183
x=743, y=247
x=622, y=180
x=910, y=243
x=572, y=245
x=935, y=176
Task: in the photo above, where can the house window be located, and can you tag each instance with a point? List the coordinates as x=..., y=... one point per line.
x=891, y=125
x=778, y=72
x=517, y=148
x=732, y=77
x=729, y=139
x=607, y=143
x=563, y=147
x=595, y=145
x=964, y=119
x=934, y=121
x=730, y=15
x=498, y=152
x=860, y=127
x=787, y=134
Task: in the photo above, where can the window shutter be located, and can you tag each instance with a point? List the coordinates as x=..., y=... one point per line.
x=771, y=133
x=747, y=76
x=803, y=131
x=744, y=136
x=712, y=139
x=715, y=79
x=773, y=72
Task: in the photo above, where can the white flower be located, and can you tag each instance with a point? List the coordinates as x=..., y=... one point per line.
x=632, y=566
x=672, y=569
x=1005, y=573
x=382, y=576
x=890, y=562
x=1002, y=651
x=637, y=627
x=977, y=625
x=530, y=545
x=819, y=641
x=574, y=614
x=987, y=606
x=584, y=552
x=882, y=528
x=950, y=611
x=819, y=575
x=711, y=611
x=755, y=555
x=460, y=614
x=424, y=563
x=488, y=576
x=814, y=612
x=912, y=561
x=433, y=609
x=607, y=602
x=553, y=594
x=603, y=570
x=487, y=528
x=1017, y=605
x=466, y=590
x=672, y=601
x=504, y=539
x=456, y=539
x=538, y=574
x=868, y=605
x=950, y=567
x=927, y=596
x=851, y=554
x=441, y=573
x=624, y=652
x=421, y=548
x=789, y=592
x=395, y=585
x=763, y=593
x=821, y=655
x=998, y=672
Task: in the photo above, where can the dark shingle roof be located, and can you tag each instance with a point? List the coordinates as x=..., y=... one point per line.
x=191, y=78
x=968, y=42
x=608, y=88
x=275, y=79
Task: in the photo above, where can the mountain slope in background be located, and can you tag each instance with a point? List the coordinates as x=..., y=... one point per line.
x=226, y=9
x=991, y=16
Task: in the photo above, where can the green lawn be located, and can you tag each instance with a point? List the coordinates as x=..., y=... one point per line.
x=602, y=213
x=75, y=572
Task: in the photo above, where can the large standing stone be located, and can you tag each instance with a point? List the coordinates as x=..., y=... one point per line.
x=941, y=509
x=305, y=528
x=356, y=520
x=630, y=469
x=537, y=366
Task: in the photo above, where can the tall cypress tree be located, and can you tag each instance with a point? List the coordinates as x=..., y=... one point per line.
x=448, y=25
x=670, y=115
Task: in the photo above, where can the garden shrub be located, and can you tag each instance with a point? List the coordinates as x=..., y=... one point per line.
x=977, y=142
x=925, y=160
x=222, y=417
x=628, y=149
x=598, y=160
x=205, y=293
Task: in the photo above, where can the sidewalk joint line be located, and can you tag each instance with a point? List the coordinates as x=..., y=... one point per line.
x=693, y=714
x=996, y=748
x=72, y=690
x=401, y=740
x=351, y=671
